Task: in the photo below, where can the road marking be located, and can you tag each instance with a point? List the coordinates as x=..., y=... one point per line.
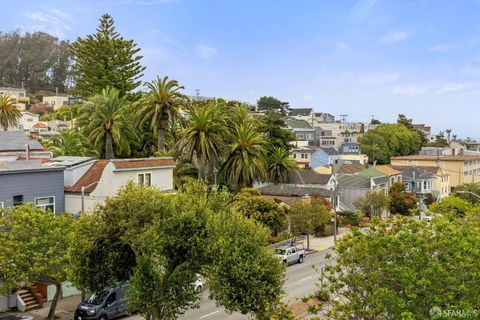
x=209, y=314
x=320, y=249
x=304, y=279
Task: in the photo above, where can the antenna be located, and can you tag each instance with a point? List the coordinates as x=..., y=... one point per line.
x=344, y=117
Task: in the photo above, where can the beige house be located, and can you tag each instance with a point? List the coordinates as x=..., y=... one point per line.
x=362, y=158
x=393, y=175
x=55, y=101
x=302, y=156
x=460, y=168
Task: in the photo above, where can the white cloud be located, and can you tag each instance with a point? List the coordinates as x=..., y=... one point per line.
x=410, y=90
x=205, y=52
x=361, y=9
x=308, y=97
x=342, y=45
x=454, y=87
x=394, y=37
x=51, y=20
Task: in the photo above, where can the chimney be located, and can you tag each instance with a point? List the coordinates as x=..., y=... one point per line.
x=27, y=152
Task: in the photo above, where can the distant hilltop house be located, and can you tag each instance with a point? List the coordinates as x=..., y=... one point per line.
x=56, y=102
x=18, y=96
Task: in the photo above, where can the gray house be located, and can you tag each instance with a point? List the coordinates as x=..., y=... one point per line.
x=29, y=181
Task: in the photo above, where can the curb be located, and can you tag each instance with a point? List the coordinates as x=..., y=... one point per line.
x=321, y=249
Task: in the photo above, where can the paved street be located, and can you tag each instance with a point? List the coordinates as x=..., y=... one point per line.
x=300, y=281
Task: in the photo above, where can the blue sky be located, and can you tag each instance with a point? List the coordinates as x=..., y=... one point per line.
x=361, y=58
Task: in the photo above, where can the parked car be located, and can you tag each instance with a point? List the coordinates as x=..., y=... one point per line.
x=290, y=254
x=108, y=304
x=198, y=283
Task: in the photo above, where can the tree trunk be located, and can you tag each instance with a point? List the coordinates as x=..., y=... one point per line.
x=161, y=140
x=308, y=241
x=108, y=146
x=53, y=306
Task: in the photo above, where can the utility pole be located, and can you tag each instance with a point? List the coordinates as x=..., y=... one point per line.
x=197, y=92
x=344, y=117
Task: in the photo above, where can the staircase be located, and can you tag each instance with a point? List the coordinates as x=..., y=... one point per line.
x=29, y=299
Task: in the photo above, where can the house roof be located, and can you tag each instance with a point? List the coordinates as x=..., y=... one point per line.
x=330, y=151
x=16, y=141
x=40, y=125
x=300, y=112
x=388, y=170
x=439, y=158
x=308, y=177
x=7, y=167
x=69, y=161
x=90, y=179
x=298, y=124
x=371, y=172
x=347, y=168
x=437, y=171
x=290, y=190
x=354, y=181
x=321, y=114
x=413, y=173
x=142, y=163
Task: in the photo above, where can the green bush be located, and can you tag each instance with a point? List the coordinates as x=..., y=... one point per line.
x=348, y=217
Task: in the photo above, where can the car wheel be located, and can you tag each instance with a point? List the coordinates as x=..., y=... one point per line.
x=300, y=259
x=284, y=262
x=199, y=288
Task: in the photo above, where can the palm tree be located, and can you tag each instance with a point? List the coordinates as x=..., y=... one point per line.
x=280, y=165
x=160, y=106
x=104, y=122
x=9, y=114
x=71, y=143
x=202, y=141
x=245, y=163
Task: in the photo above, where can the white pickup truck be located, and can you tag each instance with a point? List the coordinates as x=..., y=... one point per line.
x=290, y=254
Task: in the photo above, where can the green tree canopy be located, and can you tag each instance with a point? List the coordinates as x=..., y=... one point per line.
x=106, y=59
x=70, y=143
x=470, y=187
x=34, y=245
x=273, y=125
x=401, y=202
x=306, y=218
x=451, y=206
x=374, y=202
x=405, y=271
x=250, y=203
x=390, y=140
x=159, y=242
x=280, y=165
x=270, y=103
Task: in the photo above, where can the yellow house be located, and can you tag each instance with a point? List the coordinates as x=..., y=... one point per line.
x=362, y=158
x=461, y=169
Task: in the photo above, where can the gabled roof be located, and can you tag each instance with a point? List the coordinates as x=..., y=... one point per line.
x=413, y=173
x=300, y=112
x=320, y=114
x=371, y=172
x=289, y=190
x=90, y=179
x=142, y=163
x=40, y=125
x=298, y=124
x=354, y=181
x=350, y=168
x=16, y=141
x=388, y=170
x=330, y=151
x=308, y=177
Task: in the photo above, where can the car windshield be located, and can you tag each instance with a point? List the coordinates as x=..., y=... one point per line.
x=280, y=251
x=96, y=298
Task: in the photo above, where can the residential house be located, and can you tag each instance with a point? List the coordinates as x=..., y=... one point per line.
x=25, y=181
x=18, y=96
x=40, y=127
x=350, y=148
x=461, y=168
x=304, y=132
x=16, y=144
x=305, y=114
x=300, y=184
x=417, y=181
x=393, y=175
x=105, y=177
x=349, y=168
x=440, y=187
x=58, y=125
x=56, y=102
x=322, y=117
x=26, y=121
x=352, y=187
x=324, y=157
x=74, y=167
x=302, y=156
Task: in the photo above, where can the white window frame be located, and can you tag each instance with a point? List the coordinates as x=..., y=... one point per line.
x=144, y=174
x=42, y=206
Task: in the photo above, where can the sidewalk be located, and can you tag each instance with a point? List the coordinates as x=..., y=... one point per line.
x=324, y=243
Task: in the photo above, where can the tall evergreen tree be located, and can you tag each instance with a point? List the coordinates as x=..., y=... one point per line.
x=106, y=59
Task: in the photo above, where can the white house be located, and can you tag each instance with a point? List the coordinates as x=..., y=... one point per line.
x=26, y=122
x=55, y=101
x=103, y=178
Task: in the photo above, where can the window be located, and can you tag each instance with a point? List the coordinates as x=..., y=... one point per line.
x=111, y=299
x=17, y=200
x=407, y=186
x=294, y=156
x=304, y=155
x=45, y=203
x=145, y=179
x=425, y=185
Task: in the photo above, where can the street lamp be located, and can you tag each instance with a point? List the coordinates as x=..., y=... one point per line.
x=468, y=192
x=83, y=193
